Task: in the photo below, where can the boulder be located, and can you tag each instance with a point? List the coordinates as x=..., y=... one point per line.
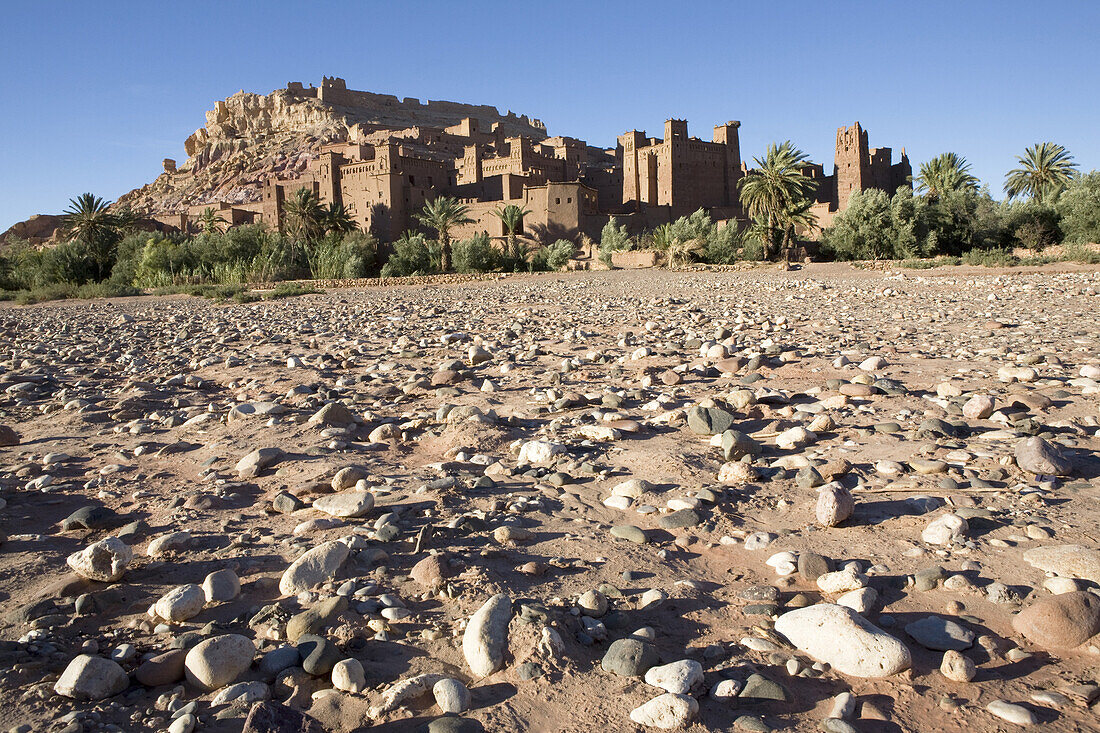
x=91, y=678
x=104, y=561
x=1041, y=458
x=315, y=566
x=845, y=640
x=486, y=636
x=218, y=661
x=1060, y=622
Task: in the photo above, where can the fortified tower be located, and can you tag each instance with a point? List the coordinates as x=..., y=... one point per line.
x=852, y=161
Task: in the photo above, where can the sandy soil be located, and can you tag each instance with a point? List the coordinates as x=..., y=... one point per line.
x=111, y=390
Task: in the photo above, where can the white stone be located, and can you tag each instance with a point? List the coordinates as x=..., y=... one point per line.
x=91, y=678
x=1058, y=586
x=221, y=585
x=486, y=636
x=171, y=542
x=348, y=675
x=841, y=581
x=1016, y=714
x=667, y=711
x=246, y=692
x=218, y=661
x=315, y=566
x=795, y=437
x=945, y=529
x=104, y=561
x=861, y=600
x=539, y=451
x=180, y=603
x=451, y=695
x=726, y=690
x=842, y=638
x=678, y=677
x=956, y=667
x=345, y=503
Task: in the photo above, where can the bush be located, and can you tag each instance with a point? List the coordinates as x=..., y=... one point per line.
x=722, y=245
x=989, y=258
x=56, y=291
x=106, y=289
x=559, y=253
x=342, y=257
x=69, y=263
x=410, y=257
x=290, y=290
x=1033, y=224
x=1077, y=252
x=871, y=228
x=476, y=254
x=1079, y=209
x=613, y=238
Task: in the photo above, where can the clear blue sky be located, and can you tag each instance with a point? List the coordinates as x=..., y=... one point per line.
x=95, y=95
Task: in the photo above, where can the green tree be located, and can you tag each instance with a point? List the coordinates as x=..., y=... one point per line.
x=775, y=195
x=1079, y=207
x=511, y=218
x=443, y=214
x=304, y=215
x=88, y=221
x=945, y=172
x=211, y=221
x=865, y=230
x=1045, y=170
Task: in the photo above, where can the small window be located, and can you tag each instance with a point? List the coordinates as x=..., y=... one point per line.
x=569, y=200
x=412, y=180
x=557, y=201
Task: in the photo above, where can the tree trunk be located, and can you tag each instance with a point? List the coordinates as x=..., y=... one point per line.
x=445, y=255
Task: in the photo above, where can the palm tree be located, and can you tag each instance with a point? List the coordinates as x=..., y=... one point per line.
x=443, y=214
x=775, y=191
x=305, y=215
x=126, y=220
x=946, y=172
x=211, y=221
x=1045, y=169
x=799, y=214
x=337, y=220
x=511, y=218
x=87, y=220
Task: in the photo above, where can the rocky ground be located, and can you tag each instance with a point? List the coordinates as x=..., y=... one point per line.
x=824, y=499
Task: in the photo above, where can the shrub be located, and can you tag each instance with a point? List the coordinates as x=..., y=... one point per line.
x=1032, y=224
x=613, y=238
x=106, y=289
x=290, y=290
x=55, y=291
x=989, y=258
x=515, y=256
x=1078, y=252
x=339, y=257
x=722, y=245
x=559, y=253
x=1079, y=208
x=476, y=254
x=410, y=257
x=869, y=229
